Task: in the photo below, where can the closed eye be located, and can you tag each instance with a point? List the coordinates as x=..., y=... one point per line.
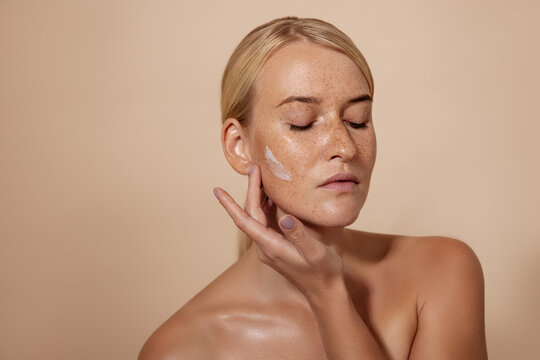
x=363, y=125
x=300, y=128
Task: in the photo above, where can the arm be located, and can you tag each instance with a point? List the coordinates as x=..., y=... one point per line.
x=451, y=317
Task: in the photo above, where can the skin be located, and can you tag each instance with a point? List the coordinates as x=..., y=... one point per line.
x=328, y=147
x=319, y=290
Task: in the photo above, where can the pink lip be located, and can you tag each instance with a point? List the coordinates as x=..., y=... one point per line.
x=341, y=186
x=342, y=182
x=346, y=177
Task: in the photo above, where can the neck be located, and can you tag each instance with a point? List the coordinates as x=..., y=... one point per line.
x=273, y=285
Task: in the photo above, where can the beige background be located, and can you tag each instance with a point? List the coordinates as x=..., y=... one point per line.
x=109, y=150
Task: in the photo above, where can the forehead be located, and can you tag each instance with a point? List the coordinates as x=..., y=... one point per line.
x=308, y=69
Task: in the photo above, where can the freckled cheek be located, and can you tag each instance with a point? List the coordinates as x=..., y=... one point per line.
x=283, y=158
x=367, y=149
x=293, y=160
x=283, y=192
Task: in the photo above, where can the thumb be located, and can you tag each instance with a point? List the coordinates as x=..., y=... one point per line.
x=293, y=229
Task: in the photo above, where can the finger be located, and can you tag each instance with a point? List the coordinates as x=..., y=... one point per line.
x=253, y=198
x=294, y=231
x=268, y=240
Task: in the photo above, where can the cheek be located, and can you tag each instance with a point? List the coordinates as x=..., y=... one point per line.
x=288, y=179
x=284, y=157
x=275, y=166
x=367, y=150
x=282, y=173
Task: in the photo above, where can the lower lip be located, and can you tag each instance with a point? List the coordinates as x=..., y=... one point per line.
x=341, y=186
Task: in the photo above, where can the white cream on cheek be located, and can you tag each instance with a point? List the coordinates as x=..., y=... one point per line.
x=275, y=166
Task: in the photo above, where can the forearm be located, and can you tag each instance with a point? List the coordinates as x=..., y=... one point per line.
x=344, y=333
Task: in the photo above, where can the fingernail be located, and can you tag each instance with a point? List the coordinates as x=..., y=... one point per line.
x=215, y=193
x=251, y=169
x=287, y=223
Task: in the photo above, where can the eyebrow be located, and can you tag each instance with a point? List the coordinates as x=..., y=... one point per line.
x=302, y=99
x=317, y=101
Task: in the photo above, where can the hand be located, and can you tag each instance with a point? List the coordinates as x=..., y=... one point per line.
x=307, y=263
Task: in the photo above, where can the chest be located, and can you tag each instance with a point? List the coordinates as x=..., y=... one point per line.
x=386, y=300
x=292, y=332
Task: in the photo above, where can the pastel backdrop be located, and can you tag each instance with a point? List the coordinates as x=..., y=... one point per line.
x=109, y=150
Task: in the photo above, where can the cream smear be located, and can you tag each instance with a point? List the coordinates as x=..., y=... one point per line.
x=275, y=166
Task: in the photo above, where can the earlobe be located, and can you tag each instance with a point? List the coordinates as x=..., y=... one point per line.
x=235, y=146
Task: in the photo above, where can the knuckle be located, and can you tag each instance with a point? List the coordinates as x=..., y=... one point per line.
x=240, y=221
x=269, y=260
x=271, y=253
x=251, y=212
x=317, y=256
x=258, y=215
x=263, y=258
x=295, y=235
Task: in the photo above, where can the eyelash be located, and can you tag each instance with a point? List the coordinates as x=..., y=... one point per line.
x=353, y=125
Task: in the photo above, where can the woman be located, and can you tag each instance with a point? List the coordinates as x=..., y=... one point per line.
x=296, y=105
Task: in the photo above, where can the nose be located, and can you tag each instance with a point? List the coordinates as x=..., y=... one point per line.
x=339, y=142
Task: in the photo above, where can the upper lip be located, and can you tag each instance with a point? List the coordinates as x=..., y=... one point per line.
x=340, y=177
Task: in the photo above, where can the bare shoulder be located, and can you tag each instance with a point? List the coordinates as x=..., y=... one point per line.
x=432, y=261
x=450, y=303
x=445, y=256
x=448, y=271
x=428, y=259
x=439, y=258
x=201, y=329
x=185, y=335
x=197, y=330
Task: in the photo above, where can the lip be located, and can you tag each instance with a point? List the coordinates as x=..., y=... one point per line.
x=340, y=182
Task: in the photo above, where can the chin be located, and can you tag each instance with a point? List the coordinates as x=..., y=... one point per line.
x=331, y=218
x=339, y=219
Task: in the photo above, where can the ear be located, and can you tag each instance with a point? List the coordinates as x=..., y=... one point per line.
x=235, y=146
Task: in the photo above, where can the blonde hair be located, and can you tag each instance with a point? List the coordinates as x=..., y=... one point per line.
x=256, y=48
